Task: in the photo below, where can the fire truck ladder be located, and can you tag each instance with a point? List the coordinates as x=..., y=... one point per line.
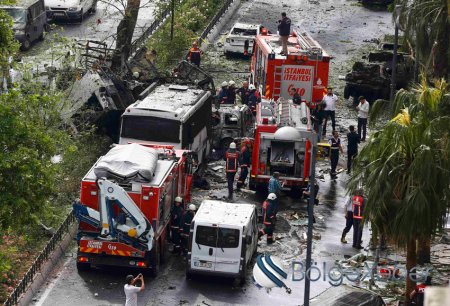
x=284, y=112
x=277, y=73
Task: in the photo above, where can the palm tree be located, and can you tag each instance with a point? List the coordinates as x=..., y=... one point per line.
x=427, y=27
x=405, y=169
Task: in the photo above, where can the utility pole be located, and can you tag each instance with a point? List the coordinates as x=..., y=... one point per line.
x=394, y=57
x=312, y=193
x=172, y=21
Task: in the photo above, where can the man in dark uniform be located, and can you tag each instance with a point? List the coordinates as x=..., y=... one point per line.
x=352, y=147
x=175, y=219
x=335, y=143
x=185, y=227
x=232, y=162
x=231, y=92
x=245, y=162
x=194, y=54
x=244, y=93
x=296, y=98
x=268, y=218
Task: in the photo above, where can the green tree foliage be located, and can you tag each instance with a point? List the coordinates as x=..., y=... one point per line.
x=427, y=25
x=8, y=45
x=191, y=17
x=30, y=136
x=405, y=169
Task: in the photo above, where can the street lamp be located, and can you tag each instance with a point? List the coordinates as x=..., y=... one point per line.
x=394, y=57
x=312, y=193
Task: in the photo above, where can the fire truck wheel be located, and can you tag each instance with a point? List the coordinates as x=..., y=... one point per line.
x=164, y=253
x=82, y=266
x=155, y=262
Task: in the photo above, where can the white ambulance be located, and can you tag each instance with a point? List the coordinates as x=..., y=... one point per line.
x=223, y=239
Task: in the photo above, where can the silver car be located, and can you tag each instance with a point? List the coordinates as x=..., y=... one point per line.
x=69, y=9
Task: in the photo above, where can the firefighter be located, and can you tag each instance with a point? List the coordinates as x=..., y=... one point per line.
x=175, y=220
x=275, y=187
x=223, y=93
x=358, y=204
x=336, y=147
x=231, y=92
x=186, y=227
x=245, y=162
x=232, y=162
x=244, y=93
x=296, y=98
x=252, y=99
x=268, y=218
x=194, y=54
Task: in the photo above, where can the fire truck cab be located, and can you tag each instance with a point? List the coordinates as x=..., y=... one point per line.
x=125, y=203
x=305, y=68
x=282, y=143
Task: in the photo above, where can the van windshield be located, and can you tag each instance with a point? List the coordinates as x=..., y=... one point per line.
x=217, y=237
x=18, y=15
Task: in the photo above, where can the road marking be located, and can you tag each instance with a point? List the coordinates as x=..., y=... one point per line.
x=52, y=284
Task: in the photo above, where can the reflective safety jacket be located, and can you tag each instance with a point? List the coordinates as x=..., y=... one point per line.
x=268, y=212
x=194, y=55
x=357, y=203
x=232, y=159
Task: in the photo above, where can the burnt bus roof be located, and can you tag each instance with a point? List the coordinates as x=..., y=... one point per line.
x=169, y=101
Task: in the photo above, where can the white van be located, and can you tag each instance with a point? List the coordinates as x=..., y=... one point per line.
x=223, y=239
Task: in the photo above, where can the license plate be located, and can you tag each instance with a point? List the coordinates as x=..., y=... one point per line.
x=58, y=14
x=203, y=264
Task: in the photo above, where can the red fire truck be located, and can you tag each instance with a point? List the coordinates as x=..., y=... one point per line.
x=305, y=68
x=283, y=139
x=125, y=202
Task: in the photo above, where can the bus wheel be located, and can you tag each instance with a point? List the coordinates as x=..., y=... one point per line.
x=26, y=45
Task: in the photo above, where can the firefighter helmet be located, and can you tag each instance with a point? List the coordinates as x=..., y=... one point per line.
x=178, y=200
x=233, y=145
x=231, y=83
x=272, y=196
x=251, y=87
x=192, y=207
x=224, y=84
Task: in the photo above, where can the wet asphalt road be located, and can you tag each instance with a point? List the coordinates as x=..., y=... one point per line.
x=340, y=30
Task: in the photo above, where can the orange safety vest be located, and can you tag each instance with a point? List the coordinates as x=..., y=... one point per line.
x=232, y=161
x=357, y=202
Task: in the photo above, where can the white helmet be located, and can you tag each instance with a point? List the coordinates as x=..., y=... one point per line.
x=224, y=84
x=272, y=196
x=231, y=83
x=251, y=87
x=178, y=200
x=192, y=207
x=233, y=145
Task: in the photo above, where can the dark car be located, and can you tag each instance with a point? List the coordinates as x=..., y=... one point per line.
x=30, y=21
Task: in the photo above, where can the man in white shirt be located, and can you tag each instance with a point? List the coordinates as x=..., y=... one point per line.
x=363, y=113
x=329, y=101
x=131, y=290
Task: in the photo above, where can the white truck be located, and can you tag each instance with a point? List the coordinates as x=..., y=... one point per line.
x=172, y=115
x=223, y=239
x=240, y=39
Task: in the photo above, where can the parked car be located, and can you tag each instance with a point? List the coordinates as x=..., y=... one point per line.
x=29, y=21
x=240, y=39
x=70, y=9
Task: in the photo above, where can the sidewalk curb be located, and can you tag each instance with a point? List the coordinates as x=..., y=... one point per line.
x=42, y=277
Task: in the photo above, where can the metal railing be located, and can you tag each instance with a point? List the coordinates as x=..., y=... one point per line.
x=45, y=254
x=216, y=18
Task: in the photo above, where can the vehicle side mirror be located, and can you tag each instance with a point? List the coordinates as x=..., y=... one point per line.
x=249, y=239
